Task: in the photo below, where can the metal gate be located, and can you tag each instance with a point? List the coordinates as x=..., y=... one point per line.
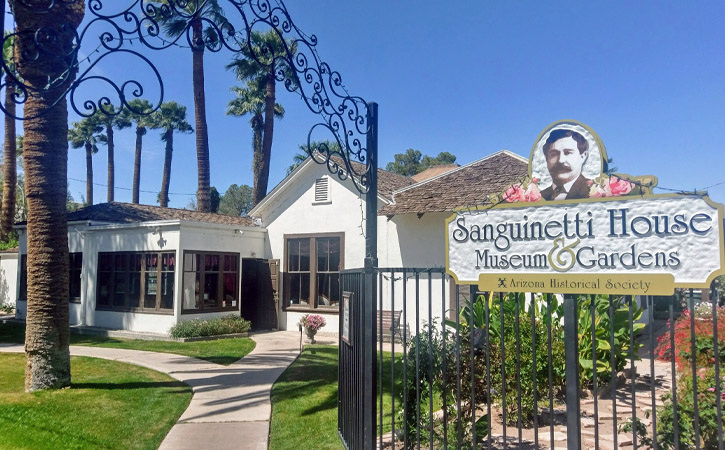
x=456, y=368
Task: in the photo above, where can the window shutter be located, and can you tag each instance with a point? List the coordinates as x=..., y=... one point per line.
x=322, y=192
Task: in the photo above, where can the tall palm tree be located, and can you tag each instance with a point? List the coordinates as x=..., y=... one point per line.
x=108, y=119
x=271, y=58
x=47, y=330
x=87, y=134
x=175, y=25
x=169, y=117
x=138, y=114
x=10, y=174
x=251, y=101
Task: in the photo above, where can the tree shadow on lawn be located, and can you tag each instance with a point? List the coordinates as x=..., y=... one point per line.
x=178, y=385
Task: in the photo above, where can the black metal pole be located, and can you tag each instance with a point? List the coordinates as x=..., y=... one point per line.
x=571, y=352
x=371, y=262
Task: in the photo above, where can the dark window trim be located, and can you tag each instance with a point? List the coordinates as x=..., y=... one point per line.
x=312, y=307
x=140, y=309
x=220, y=283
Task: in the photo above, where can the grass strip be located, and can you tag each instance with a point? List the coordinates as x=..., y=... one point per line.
x=109, y=405
x=222, y=351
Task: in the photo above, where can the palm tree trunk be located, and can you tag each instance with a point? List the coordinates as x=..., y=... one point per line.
x=111, y=163
x=164, y=198
x=258, y=129
x=89, y=174
x=140, y=131
x=45, y=150
x=269, y=101
x=203, y=199
x=7, y=215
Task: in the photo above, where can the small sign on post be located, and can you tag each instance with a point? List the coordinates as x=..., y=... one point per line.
x=346, y=300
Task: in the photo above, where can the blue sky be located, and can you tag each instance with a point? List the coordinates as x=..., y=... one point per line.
x=472, y=78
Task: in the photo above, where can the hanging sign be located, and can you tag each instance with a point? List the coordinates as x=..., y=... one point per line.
x=569, y=227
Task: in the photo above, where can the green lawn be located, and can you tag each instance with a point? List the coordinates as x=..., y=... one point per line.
x=304, y=401
x=109, y=405
x=222, y=351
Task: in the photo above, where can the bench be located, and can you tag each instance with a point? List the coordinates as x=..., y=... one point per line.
x=391, y=326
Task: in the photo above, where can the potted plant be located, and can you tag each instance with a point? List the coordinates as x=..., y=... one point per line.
x=312, y=323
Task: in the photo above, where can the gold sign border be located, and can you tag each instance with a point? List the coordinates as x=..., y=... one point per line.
x=708, y=200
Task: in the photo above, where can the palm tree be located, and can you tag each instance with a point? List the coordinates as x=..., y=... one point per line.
x=137, y=113
x=47, y=330
x=108, y=119
x=10, y=174
x=87, y=134
x=271, y=57
x=307, y=150
x=175, y=25
x=169, y=117
x=297, y=159
x=251, y=100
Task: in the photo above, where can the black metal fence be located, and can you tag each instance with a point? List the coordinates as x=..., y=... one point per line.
x=461, y=369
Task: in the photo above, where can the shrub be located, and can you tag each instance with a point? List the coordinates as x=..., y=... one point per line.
x=707, y=412
x=210, y=327
x=704, y=344
x=474, y=340
x=603, y=333
x=7, y=308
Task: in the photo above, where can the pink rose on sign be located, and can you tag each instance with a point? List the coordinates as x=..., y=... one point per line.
x=618, y=186
x=597, y=191
x=514, y=194
x=532, y=193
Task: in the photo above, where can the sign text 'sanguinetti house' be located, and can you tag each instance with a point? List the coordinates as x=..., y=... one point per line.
x=569, y=227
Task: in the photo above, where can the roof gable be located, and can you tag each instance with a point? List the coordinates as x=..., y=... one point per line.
x=469, y=185
x=388, y=182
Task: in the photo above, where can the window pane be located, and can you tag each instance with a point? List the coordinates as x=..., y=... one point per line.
x=189, y=262
x=74, y=283
x=328, y=289
x=211, y=263
x=334, y=255
x=293, y=255
x=134, y=290
x=191, y=291
x=152, y=262
x=150, y=289
x=168, y=262
x=230, y=290
x=211, y=290
x=105, y=262
x=304, y=255
x=104, y=289
x=323, y=250
x=136, y=261
x=120, y=261
x=167, y=290
x=119, y=288
x=24, y=277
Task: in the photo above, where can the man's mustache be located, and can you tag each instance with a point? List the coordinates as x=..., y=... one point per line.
x=561, y=167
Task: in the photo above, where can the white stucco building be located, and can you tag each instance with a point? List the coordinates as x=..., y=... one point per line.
x=144, y=268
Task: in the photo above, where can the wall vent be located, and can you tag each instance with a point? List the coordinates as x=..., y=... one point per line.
x=322, y=190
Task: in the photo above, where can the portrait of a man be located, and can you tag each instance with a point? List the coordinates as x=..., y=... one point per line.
x=566, y=152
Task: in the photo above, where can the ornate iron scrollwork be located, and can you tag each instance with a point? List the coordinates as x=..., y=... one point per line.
x=110, y=31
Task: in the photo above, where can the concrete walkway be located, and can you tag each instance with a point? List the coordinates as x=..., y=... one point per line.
x=230, y=407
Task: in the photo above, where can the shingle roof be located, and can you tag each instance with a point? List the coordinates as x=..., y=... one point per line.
x=434, y=171
x=116, y=212
x=388, y=182
x=465, y=186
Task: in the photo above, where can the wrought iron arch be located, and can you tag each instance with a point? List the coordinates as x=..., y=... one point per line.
x=109, y=31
